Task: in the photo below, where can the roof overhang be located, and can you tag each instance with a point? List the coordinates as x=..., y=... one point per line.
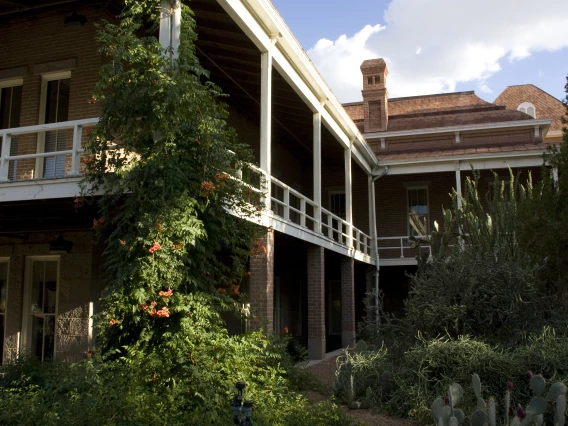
x=541, y=123
x=533, y=158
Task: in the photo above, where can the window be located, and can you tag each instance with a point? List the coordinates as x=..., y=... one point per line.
x=417, y=211
x=54, y=108
x=337, y=204
x=3, y=303
x=10, y=104
x=40, y=306
x=527, y=108
x=10, y=112
x=503, y=185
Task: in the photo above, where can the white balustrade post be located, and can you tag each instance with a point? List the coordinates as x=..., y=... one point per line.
x=458, y=184
x=348, y=197
x=266, y=120
x=317, y=170
x=4, y=163
x=402, y=248
x=303, y=210
x=76, y=155
x=286, y=203
x=329, y=226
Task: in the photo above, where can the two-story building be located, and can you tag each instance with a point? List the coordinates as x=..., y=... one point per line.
x=314, y=160
x=427, y=146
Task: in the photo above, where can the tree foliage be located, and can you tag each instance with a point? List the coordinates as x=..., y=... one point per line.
x=544, y=217
x=165, y=161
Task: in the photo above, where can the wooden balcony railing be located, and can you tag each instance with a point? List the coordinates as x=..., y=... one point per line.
x=24, y=155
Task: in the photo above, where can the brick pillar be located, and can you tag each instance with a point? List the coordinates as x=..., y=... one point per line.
x=347, y=301
x=262, y=286
x=316, y=302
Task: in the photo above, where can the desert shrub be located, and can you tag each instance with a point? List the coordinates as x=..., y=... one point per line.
x=425, y=371
x=487, y=295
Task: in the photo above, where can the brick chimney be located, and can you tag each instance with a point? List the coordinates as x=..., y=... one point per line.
x=375, y=95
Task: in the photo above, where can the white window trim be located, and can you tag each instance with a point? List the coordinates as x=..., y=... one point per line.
x=25, y=339
x=7, y=261
x=12, y=82
x=411, y=188
x=45, y=78
x=526, y=106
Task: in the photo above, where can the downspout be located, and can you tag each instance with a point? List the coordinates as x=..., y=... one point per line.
x=375, y=242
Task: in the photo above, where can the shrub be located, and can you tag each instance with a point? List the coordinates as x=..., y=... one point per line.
x=425, y=371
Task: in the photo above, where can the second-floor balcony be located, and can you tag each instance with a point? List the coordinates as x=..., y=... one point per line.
x=45, y=161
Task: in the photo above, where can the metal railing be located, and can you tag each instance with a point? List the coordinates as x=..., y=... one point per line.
x=65, y=162
x=401, y=245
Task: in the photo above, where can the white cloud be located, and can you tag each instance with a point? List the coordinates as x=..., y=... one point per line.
x=460, y=41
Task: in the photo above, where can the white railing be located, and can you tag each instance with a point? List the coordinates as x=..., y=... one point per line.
x=292, y=205
x=402, y=245
x=334, y=227
x=362, y=242
x=71, y=169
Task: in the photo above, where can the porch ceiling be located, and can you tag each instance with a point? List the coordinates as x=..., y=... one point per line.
x=234, y=63
x=18, y=9
x=45, y=215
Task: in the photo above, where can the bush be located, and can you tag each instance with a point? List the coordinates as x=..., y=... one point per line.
x=487, y=295
x=425, y=371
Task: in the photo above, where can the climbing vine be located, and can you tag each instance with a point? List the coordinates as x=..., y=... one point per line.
x=165, y=162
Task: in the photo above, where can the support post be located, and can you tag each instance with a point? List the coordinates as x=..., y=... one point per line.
x=458, y=184
x=266, y=122
x=4, y=163
x=317, y=171
x=170, y=26
x=76, y=156
x=316, y=302
x=262, y=285
x=347, y=302
x=348, y=197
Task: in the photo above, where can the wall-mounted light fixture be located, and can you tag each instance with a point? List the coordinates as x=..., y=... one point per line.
x=60, y=246
x=75, y=20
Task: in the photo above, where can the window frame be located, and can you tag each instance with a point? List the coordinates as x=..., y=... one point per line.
x=26, y=333
x=330, y=194
x=416, y=188
x=524, y=107
x=40, y=148
x=5, y=260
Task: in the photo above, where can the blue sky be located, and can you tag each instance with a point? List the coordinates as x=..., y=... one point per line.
x=434, y=46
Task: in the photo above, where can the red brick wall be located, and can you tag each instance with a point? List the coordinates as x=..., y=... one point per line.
x=347, y=300
x=316, y=292
x=261, y=285
x=45, y=40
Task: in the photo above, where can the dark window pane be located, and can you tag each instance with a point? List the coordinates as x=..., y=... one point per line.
x=51, y=101
x=63, y=100
x=5, y=107
x=16, y=106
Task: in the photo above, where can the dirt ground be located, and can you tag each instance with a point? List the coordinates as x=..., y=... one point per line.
x=324, y=371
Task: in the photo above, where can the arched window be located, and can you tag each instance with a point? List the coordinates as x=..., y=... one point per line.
x=527, y=108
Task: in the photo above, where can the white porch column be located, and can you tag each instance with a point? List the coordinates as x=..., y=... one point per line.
x=170, y=25
x=266, y=121
x=555, y=177
x=458, y=184
x=4, y=163
x=348, y=197
x=317, y=171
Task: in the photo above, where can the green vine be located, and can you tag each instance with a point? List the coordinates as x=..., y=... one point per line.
x=164, y=160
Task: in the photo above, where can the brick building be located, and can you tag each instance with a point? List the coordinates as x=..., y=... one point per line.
x=319, y=248
x=427, y=146
x=320, y=163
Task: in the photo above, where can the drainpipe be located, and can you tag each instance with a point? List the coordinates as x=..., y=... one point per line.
x=374, y=236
